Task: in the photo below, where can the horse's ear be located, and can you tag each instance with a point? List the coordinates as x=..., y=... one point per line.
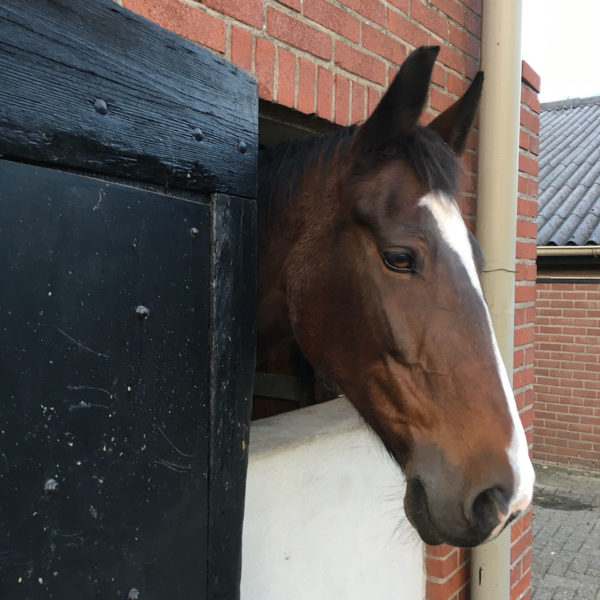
x=400, y=108
x=454, y=123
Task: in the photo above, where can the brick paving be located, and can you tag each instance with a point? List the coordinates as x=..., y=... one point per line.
x=566, y=535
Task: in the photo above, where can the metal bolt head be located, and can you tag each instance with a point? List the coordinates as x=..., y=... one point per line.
x=50, y=487
x=194, y=231
x=142, y=312
x=242, y=147
x=100, y=106
x=198, y=134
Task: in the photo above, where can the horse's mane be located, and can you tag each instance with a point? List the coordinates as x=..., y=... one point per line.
x=282, y=167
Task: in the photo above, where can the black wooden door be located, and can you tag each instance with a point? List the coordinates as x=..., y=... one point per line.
x=127, y=250
x=104, y=313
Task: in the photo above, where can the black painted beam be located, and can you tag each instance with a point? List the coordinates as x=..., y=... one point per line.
x=94, y=87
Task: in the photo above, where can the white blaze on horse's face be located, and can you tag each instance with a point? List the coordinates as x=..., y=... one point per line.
x=454, y=232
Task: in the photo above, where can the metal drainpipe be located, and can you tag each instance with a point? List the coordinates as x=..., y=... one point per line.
x=499, y=123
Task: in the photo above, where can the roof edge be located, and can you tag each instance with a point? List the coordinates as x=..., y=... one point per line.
x=570, y=103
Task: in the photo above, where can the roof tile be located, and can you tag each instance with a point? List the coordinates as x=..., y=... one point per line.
x=569, y=180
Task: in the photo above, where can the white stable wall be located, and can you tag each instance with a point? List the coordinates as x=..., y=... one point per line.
x=324, y=517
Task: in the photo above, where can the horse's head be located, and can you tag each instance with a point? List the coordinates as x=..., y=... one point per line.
x=383, y=294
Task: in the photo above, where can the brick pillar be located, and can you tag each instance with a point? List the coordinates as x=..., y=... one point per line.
x=524, y=377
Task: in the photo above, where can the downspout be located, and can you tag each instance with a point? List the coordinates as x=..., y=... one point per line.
x=499, y=123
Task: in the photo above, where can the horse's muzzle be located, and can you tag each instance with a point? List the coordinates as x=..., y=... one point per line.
x=470, y=525
x=460, y=503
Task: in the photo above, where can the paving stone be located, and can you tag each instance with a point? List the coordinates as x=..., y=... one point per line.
x=566, y=535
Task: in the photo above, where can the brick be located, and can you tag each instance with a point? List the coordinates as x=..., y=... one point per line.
x=332, y=17
x=473, y=23
x=451, y=58
x=248, y=11
x=530, y=120
x=296, y=33
x=527, y=250
x=373, y=97
x=522, y=184
x=443, y=590
x=527, y=416
x=521, y=586
x=189, y=21
x=429, y=18
x=524, y=293
x=264, y=67
x=530, y=98
x=295, y=4
x=523, y=378
x=518, y=358
x=438, y=75
x=474, y=5
x=374, y=10
x=286, y=77
x=240, y=52
x=464, y=41
x=306, y=86
x=324, y=93
x=526, y=272
x=530, y=77
x=400, y=4
x=534, y=145
x=451, y=8
x=358, y=102
x=515, y=573
x=359, y=63
x=439, y=101
x=441, y=551
x=383, y=45
x=520, y=546
x=472, y=67
x=457, y=85
x=407, y=31
x=533, y=188
x=522, y=524
x=441, y=568
x=342, y=99
x=467, y=207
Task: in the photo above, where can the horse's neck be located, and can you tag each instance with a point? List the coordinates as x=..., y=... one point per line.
x=296, y=203
x=283, y=204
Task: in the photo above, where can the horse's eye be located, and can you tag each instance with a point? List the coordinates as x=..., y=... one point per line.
x=401, y=261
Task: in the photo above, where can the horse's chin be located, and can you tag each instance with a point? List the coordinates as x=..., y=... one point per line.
x=432, y=533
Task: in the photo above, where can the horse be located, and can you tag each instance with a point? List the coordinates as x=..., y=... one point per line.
x=367, y=271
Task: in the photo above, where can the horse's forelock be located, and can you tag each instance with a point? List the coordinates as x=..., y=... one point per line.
x=284, y=169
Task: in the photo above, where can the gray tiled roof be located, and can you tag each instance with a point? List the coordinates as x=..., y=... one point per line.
x=569, y=184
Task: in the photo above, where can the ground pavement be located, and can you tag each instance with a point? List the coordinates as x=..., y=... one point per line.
x=566, y=535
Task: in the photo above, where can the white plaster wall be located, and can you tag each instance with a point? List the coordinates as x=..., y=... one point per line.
x=324, y=517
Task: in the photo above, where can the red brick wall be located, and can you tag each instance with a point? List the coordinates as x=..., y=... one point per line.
x=524, y=355
x=567, y=402
x=331, y=58
x=335, y=58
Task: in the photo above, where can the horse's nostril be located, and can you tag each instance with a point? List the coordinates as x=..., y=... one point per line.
x=487, y=508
